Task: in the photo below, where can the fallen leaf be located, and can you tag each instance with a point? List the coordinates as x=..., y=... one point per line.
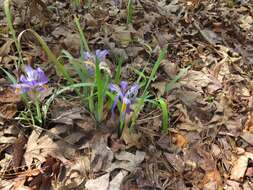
x=40, y=145
x=5, y=49
x=239, y=168
x=115, y=184
x=131, y=139
x=8, y=95
x=101, y=155
x=232, y=185
x=122, y=35
x=160, y=87
x=127, y=161
x=175, y=160
x=100, y=183
x=213, y=176
x=248, y=137
x=180, y=140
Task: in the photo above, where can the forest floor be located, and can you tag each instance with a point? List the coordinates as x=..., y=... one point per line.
x=206, y=79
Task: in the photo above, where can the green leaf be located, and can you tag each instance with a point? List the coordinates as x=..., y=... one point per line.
x=165, y=113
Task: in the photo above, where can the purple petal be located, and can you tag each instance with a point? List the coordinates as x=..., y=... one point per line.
x=116, y=99
x=30, y=73
x=23, y=79
x=123, y=86
x=116, y=88
x=22, y=87
x=41, y=77
x=101, y=54
x=87, y=55
x=33, y=80
x=90, y=71
x=133, y=91
x=128, y=109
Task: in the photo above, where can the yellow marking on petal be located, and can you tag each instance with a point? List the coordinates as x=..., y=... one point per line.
x=17, y=91
x=45, y=86
x=90, y=63
x=123, y=108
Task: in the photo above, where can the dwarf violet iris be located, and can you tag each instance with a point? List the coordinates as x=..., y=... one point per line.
x=126, y=95
x=90, y=59
x=34, y=80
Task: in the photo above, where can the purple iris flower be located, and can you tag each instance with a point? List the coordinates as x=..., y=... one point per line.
x=34, y=80
x=126, y=95
x=90, y=59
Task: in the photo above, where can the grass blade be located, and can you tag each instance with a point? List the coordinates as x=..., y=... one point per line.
x=9, y=76
x=84, y=44
x=11, y=28
x=46, y=106
x=130, y=12
x=165, y=113
x=118, y=70
x=181, y=74
x=59, y=67
x=154, y=70
x=99, y=85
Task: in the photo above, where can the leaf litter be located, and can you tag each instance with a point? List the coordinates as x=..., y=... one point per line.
x=209, y=145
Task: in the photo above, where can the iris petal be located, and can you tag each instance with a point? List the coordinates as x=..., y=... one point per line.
x=133, y=91
x=87, y=55
x=116, y=99
x=123, y=86
x=116, y=88
x=101, y=54
x=35, y=79
x=41, y=77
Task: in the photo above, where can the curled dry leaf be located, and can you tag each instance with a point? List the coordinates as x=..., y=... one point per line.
x=131, y=139
x=103, y=183
x=100, y=183
x=240, y=167
x=8, y=101
x=40, y=145
x=101, y=156
x=127, y=161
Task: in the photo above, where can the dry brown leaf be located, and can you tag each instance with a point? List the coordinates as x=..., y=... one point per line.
x=213, y=176
x=131, y=139
x=250, y=124
x=5, y=49
x=115, y=184
x=7, y=111
x=239, y=168
x=160, y=87
x=232, y=185
x=9, y=96
x=40, y=145
x=122, y=35
x=100, y=183
x=127, y=161
x=176, y=161
x=180, y=140
x=101, y=155
x=248, y=137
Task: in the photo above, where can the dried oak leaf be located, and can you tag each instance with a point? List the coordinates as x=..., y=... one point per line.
x=8, y=100
x=103, y=183
x=9, y=96
x=240, y=166
x=40, y=145
x=127, y=161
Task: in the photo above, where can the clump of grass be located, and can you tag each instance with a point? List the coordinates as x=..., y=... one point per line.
x=145, y=97
x=93, y=84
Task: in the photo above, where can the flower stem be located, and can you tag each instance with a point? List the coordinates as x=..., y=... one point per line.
x=38, y=111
